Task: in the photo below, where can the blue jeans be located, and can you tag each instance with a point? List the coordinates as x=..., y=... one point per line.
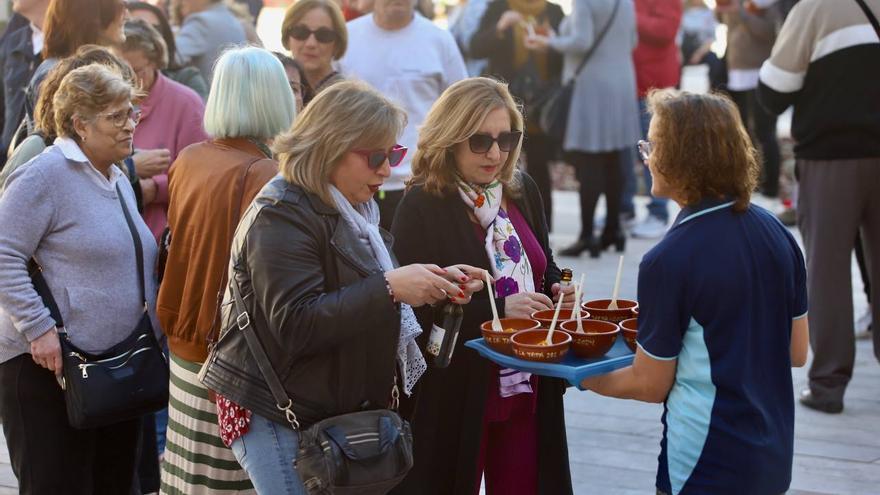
x=657, y=206
x=267, y=452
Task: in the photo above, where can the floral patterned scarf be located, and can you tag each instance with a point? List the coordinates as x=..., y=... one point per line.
x=510, y=265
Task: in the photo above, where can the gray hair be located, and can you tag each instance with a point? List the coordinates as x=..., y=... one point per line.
x=141, y=36
x=250, y=96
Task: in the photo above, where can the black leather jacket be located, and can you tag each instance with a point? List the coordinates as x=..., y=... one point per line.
x=319, y=304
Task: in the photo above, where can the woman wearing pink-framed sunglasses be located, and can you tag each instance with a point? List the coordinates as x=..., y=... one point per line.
x=321, y=288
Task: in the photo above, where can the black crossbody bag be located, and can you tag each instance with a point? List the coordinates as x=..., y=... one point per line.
x=553, y=113
x=360, y=453
x=125, y=382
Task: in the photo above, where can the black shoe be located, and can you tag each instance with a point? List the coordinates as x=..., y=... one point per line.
x=617, y=240
x=824, y=405
x=579, y=247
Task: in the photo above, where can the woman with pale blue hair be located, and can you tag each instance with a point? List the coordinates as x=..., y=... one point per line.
x=210, y=186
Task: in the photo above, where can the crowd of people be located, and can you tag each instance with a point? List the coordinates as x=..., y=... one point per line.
x=305, y=219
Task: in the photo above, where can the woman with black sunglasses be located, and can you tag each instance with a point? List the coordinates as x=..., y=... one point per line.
x=468, y=203
x=314, y=31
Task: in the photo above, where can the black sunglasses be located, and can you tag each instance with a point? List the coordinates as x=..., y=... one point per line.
x=375, y=158
x=323, y=35
x=482, y=143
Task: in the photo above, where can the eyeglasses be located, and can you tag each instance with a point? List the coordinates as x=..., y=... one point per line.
x=120, y=118
x=645, y=149
x=375, y=158
x=482, y=143
x=323, y=35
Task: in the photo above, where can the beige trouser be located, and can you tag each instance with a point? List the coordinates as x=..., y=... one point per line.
x=837, y=198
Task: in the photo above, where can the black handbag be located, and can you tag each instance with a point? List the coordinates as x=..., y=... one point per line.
x=553, y=118
x=125, y=382
x=361, y=453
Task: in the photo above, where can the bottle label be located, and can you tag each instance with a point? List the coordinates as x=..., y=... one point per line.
x=435, y=340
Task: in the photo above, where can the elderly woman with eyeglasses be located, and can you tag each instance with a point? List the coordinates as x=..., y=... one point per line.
x=67, y=210
x=314, y=31
x=468, y=203
x=321, y=287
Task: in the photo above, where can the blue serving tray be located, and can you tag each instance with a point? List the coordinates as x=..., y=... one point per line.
x=571, y=368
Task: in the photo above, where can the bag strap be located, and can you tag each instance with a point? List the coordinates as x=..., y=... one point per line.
x=42, y=287
x=282, y=401
x=236, y=217
x=138, y=249
x=598, y=41
x=871, y=17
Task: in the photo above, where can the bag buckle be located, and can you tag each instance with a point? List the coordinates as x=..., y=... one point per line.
x=289, y=414
x=395, y=396
x=243, y=320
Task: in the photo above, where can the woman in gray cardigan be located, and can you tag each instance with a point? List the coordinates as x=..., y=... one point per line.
x=63, y=209
x=603, y=120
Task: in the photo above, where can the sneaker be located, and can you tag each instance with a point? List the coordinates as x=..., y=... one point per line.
x=863, y=325
x=650, y=228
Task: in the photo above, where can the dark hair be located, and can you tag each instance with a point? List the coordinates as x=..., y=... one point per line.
x=71, y=24
x=44, y=114
x=702, y=148
x=164, y=29
x=290, y=63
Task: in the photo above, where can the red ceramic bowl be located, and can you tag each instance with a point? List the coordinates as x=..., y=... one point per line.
x=500, y=341
x=595, y=341
x=529, y=345
x=545, y=316
x=598, y=310
x=630, y=330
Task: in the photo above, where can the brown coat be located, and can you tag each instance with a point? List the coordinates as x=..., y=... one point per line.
x=205, y=187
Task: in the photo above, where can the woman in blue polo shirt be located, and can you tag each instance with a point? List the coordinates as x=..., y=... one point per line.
x=723, y=310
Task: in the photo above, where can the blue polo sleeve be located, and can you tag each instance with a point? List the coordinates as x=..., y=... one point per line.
x=662, y=317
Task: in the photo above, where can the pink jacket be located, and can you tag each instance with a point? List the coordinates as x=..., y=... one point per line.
x=172, y=118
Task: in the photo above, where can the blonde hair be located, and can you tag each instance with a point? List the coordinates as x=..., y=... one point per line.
x=456, y=116
x=300, y=8
x=346, y=116
x=84, y=93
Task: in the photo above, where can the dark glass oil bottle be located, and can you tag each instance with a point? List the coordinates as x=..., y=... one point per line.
x=441, y=342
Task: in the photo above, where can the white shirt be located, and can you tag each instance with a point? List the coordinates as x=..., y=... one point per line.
x=742, y=79
x=74, y=153
x=411, y=66
x=37, y=39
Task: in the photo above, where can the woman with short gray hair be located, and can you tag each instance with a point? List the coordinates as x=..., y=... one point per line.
x=63, y=210
x=210, y=186
x=171, y=121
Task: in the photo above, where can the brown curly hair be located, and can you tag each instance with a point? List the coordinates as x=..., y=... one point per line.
x=701, y=147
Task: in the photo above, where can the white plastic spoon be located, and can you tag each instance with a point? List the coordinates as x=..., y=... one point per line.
x=496, y=323
x=549, y=339
x=613, y=304
x=578, y=292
